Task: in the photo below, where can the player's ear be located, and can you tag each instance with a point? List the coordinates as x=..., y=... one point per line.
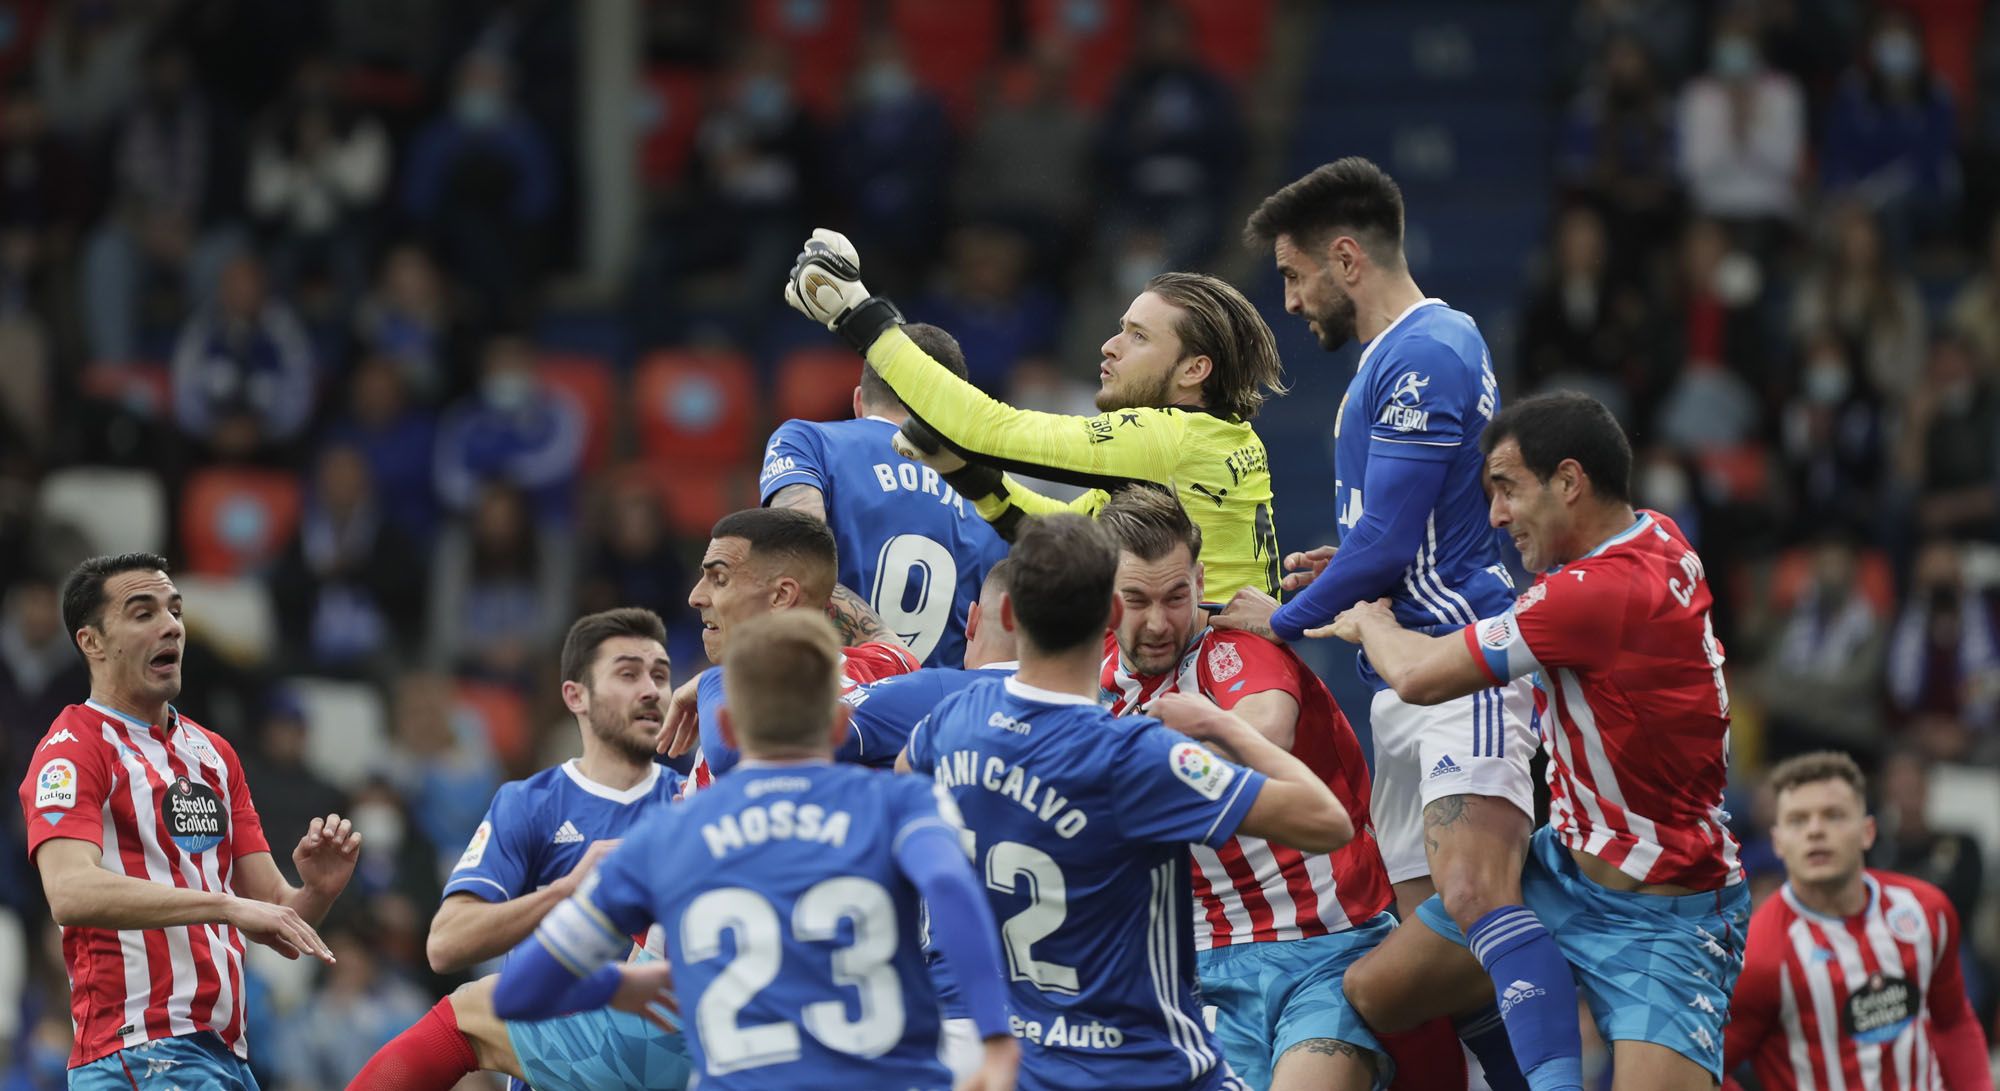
x=785, y=592
x=973, y=615
x=1007, y=622
x=1200, y=582
x=843, y=722
x=858, y=411
x=728, y=728
x=1867, y=832
x=576, y=698
x=90, y=641
x=1117, y=612
x=1195, y=371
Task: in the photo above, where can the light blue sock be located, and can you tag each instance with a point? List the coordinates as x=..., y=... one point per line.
x=1537, y=996
x=1486, y=1036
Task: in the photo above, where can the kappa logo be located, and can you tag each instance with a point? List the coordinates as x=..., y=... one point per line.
x=1444, y=768
x=65, y=735
x=1701, y=1003
x=567, y=834
x=1409, y=389
x=1703, y=1038
x=1709, y=944
x=157, y=1066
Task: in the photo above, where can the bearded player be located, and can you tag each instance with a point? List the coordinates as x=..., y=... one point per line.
x=1274, y=928
x=1851, y=978
x=1636, y=873
x=1190, y=365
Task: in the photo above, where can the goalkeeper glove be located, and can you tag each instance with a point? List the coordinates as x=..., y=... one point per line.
x=825, y=285
x=915, y=441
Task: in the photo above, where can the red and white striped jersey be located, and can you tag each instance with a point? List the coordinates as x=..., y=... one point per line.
x=1639, y=742
x=1861, y=1003
x=168, y=805
x=1250, y=890
x=859, y=665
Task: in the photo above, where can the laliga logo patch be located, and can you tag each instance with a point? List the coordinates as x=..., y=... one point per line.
x=1224, y=662
x=1906, y=923
x=196, y=818
x=1201, y=770
x=475, y=849
x=55, y=785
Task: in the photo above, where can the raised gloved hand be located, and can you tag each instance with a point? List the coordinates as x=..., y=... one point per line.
x=825, y=286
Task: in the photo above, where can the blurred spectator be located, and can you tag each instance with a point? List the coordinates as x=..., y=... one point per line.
x=361, y=1004
x=1618, y=151
x=318, y=167
x=45, y=186
x=444, y=769
x=1975, y=311
x=513, y=430
x=1820, y=682
x=481, y=181
x=349, y=589
x=1944, y=655
x=1835, y=438
x=88, y=65
x=244, y=379
x=1170, y=148
x=1712, y=349
x=289, y=793
x=1671, y=28
x=988, y=303
x=892, y=161
x=1743, y=135
x=1905, y=841
x=501, y=590
x=631, y=560
x=162, y=223
x=1027, y=162
x=1948, y=448
x=40, y=671
x=1580, y=322
x=1892, y=133
x=1857, y=292
x=408, y=319
x=397, y=439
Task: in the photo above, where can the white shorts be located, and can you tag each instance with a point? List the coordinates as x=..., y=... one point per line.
x=1478, y=745
x=960, y=1048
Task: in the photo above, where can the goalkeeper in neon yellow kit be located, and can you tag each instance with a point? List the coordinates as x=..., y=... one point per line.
x=1191, y=363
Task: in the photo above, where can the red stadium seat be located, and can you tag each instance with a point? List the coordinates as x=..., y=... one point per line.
x=142, y=387
x=673, y=98
x=950, y=44
x=1232, y=35
x=817, y=384
x=1794, y=570
x=501, y=713
x=694, y=408
x=236, y=521
x=588, y=381
x=1099, y=35
x=821, y=37
x=691, y=502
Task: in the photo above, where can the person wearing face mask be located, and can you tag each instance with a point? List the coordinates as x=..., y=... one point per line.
x=1743, y=132
x=1892, y=133
x=1834, y=436
x=513, y=430
x=1946, y=455
x=1822, y=680
x=893, y=158
x=540, y=840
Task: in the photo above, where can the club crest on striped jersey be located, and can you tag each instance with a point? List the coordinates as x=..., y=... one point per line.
x=1906, y=923
x=1224, y=662
x=1534, y=594
x=198, y=745
x=196, y=817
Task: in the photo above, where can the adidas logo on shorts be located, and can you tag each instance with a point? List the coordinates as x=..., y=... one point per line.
x=1444, y=768
x=567, y=835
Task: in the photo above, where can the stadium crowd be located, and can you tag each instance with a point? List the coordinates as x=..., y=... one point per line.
x=287, y=292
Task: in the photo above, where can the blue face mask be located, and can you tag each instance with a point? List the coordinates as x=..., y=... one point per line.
x=764, y=99
x=479, y=108
x=1897, y=56
x=1735, y=57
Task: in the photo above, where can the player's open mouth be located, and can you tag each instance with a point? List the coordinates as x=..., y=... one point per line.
x=647, y=716
x=165, y=660
x=1819, y=856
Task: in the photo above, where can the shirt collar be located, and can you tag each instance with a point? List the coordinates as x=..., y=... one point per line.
x=1039, y=695
x=574, y=771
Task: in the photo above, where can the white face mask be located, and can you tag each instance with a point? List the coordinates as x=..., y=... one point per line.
x=1897, y=55
x=507, y=390
x=1735, y=57
x=1827, y=383
x=1663, y=485
x=381, y=828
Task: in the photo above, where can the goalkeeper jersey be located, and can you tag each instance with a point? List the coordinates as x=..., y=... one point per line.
x=1216, y=465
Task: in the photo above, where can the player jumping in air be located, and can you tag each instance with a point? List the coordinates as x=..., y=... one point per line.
x=788, y=892
x=1636, y=873
x=1081, y=824
x=1454, y=800
x=1851, y=977
x=914, y=547
x=1180, y=382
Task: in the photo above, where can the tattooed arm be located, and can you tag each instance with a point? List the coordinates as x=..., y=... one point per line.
x=857, y=622
x=805, y=498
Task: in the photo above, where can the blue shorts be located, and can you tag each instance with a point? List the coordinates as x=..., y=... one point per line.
x=600, y=1049
x=1653, y=968
x=165, y=1064
x=1268, y=997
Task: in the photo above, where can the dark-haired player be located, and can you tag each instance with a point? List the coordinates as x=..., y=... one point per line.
x=908, y=542
x=1635, y=874
x=1081, y=823
x=1851, y=977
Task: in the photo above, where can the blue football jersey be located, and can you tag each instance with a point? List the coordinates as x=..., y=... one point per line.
x=1080, y=823
x=1425, y=390
x=909, y=544
x=886, y=711
x=537, y=829
x=859, y=665
x=791, y=930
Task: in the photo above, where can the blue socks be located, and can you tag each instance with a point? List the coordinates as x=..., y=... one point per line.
x=1537, y=996
x=1486, y=1036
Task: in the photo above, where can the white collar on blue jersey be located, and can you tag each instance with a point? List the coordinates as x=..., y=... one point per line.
x=636, y=792
x=1027, y=692
x=1803, y=910
x=873, y=416
x=1008, y=665
x=1369, y=349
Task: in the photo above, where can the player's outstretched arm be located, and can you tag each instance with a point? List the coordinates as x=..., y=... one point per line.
x=963, y=932
x=571, y=964
x=1293, y=806
x=325, y=859
x=1422, y=669
x=1401, y=495
x=467, y=929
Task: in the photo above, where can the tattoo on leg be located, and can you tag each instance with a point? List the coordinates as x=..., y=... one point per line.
x=1328, y=1047
x=1440, y=814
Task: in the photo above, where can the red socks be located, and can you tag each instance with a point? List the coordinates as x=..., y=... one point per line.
x=430, y=1056
x=1428, y=1058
